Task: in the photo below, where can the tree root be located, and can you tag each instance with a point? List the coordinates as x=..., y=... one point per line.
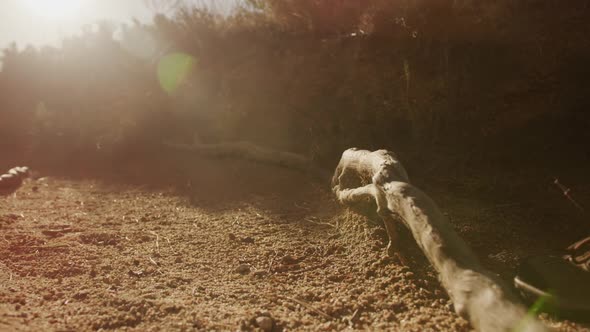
x=478, y=295
x=252, y=152
x=368, y=179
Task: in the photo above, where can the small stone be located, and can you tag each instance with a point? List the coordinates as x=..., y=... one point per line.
x=289, y=260
x=137, y=273
x=248, y=239
x=243, y=269
x=265, y=323
x=83, y=294
x=171, y=309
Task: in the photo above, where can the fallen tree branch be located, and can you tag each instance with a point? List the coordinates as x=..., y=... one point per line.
x=249, y=151
x=478, y=295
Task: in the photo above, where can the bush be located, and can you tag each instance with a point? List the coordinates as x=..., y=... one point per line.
x=310, y=76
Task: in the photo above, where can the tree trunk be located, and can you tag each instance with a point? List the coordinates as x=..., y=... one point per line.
x=478, y=295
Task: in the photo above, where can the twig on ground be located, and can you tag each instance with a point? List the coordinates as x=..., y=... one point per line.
x=310, y=220
x=153, y=261
x=353, y=318
x=224, y=326
x=299, y=206
x=272, y=260
x=56, y=232
x=310, y=268
x=54, y=246
x=308, y=306
x=156, y=264
x=157, y=240
x=502, y=206
x=567, y=193
x=170, y=244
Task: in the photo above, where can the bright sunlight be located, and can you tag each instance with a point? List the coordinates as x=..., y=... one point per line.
x=55, y=8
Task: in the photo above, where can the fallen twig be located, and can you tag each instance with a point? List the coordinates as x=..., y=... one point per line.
x=299, y=206
x=567, y=193
x=252, y=152
x=310, y=268
x=353, y=318
x=153, y=261
x=156, y=264
x=55, y=246
x=307, y=305
x=271, y=262
x=310, y=220
x=157, y=240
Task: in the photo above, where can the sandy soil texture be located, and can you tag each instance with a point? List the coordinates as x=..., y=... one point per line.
x=227, y=245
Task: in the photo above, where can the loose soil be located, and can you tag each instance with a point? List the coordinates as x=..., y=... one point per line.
x=230, y=245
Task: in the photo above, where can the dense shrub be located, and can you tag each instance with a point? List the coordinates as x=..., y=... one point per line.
x=304, y=75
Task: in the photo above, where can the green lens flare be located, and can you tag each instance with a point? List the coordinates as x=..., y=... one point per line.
x=173, y=69
x=540, y=304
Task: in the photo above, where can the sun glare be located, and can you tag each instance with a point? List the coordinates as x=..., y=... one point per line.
x=54, y=8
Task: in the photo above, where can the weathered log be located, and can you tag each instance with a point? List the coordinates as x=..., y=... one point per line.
x=252, y=152
x=477, y=294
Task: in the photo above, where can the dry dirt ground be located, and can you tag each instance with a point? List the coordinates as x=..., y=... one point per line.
x=230, y=245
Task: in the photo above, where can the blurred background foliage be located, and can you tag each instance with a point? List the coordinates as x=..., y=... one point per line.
x=484, y=78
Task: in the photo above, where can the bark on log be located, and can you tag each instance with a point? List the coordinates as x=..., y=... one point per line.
x=252, y=152
x=477, y=294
